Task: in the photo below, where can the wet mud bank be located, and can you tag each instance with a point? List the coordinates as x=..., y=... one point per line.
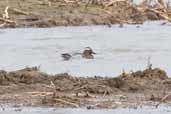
x=31, y=87
x=51, y=13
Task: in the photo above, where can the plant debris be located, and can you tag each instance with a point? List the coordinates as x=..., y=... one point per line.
x=50, y=13
x=29, y=86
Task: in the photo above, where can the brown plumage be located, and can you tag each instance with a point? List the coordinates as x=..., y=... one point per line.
x=88, y=53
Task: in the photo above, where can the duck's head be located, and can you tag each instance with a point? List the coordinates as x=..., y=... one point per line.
x=66, y=56
x=90, y=50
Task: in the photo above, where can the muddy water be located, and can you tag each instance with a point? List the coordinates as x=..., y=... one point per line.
x=30, y=110
x=117, y=48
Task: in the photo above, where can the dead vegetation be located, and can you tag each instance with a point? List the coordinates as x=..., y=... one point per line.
x=30, y=86
x=49, y=13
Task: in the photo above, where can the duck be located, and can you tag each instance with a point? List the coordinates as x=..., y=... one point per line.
x=88, y=53
x=66, y=56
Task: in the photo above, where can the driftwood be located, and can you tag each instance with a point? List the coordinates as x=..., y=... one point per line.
x=20, y=11
x=163, y=99
x=68, y=2
x=160, y=13
x=7, y=21
x=49, y=3
x=67, y=102
x=111, y=3
x=2, y=25
x=6, y=15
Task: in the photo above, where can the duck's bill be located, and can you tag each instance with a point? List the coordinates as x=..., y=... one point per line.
x=93, y=53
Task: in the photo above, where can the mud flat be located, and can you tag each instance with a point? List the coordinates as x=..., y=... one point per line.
x=50, y=13
x=31, y=87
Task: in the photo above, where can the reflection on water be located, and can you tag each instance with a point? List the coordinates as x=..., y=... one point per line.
x=117, y=48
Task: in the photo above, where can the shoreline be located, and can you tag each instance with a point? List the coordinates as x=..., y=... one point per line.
x=43, y=14
x=31, y=87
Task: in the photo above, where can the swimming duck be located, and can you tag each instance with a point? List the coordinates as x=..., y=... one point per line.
x=66, y=56
x=88, y=53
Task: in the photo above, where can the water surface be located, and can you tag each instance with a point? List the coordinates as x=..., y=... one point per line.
x=31, y=110
x=117, y=48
